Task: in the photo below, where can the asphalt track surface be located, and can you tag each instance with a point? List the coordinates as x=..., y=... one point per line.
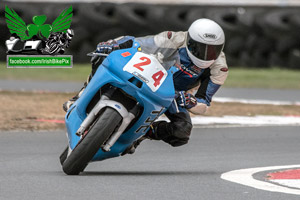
x=239, y=93
x=30, y=169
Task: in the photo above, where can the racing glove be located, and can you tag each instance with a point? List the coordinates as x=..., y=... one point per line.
x=185, y=100
x=107, y=47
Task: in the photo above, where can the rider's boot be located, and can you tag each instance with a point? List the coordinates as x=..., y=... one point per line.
x=149, y=135
x=96, y=62
x=131, y=149
x=70, y=102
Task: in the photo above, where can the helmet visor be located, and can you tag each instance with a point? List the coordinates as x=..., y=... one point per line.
x=203, y=51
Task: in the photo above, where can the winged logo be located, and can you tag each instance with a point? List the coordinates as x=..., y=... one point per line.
x=16, y=24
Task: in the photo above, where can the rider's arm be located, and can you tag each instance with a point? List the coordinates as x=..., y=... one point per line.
x=209, y=86
x=107, y=47
x=167, y=43
x=124, y=42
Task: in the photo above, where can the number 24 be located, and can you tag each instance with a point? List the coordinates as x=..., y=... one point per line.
x=156, y=76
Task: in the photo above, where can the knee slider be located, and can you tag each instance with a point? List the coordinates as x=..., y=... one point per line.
x=182, y=129
x=181, y=134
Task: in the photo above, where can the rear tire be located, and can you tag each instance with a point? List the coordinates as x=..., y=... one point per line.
x=88, y=146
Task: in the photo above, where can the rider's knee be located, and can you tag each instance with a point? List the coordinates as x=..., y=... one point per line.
x=181, y=134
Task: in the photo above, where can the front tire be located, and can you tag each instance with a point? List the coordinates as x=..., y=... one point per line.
x=63, y=156
x=88, y=146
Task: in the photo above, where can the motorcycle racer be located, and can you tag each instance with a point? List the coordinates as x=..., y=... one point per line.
x=202, y=69
x=58, y=42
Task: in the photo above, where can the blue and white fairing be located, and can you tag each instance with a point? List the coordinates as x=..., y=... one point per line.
x=154, y=95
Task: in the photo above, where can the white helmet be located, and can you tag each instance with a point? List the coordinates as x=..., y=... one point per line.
x=205, y=41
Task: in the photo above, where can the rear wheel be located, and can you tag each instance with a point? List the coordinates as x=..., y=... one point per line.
x=90, y=143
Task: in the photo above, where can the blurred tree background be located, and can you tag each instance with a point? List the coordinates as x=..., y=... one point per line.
x=256, y=36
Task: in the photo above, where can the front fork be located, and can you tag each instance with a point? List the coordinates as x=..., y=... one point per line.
x=105, y=101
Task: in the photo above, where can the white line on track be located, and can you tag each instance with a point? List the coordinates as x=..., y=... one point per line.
x=222, y=126
x=259, y=120
x=245, y=177
x=294, y=183
x=244, y=121
x=254, y=101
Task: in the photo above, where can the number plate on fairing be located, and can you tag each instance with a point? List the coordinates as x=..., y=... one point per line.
x=148, y=69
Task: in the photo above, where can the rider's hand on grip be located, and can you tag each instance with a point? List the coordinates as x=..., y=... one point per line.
x=107, y=47
x=186, y=100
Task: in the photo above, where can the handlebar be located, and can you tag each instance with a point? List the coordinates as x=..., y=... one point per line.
x=97, y=54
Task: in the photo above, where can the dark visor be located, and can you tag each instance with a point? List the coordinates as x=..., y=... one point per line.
x=202, y=51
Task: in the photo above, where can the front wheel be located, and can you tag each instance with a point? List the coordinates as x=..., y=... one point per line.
x=91, y=142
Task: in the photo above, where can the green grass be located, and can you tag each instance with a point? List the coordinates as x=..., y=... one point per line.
x=263, y=78
x=238, y=77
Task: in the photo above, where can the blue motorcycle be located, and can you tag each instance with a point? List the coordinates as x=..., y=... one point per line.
x=129, y=91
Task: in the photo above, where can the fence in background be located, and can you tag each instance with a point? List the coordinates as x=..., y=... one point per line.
x=255, y=36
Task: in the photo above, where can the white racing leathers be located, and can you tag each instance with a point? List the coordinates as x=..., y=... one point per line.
x=201, y=82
